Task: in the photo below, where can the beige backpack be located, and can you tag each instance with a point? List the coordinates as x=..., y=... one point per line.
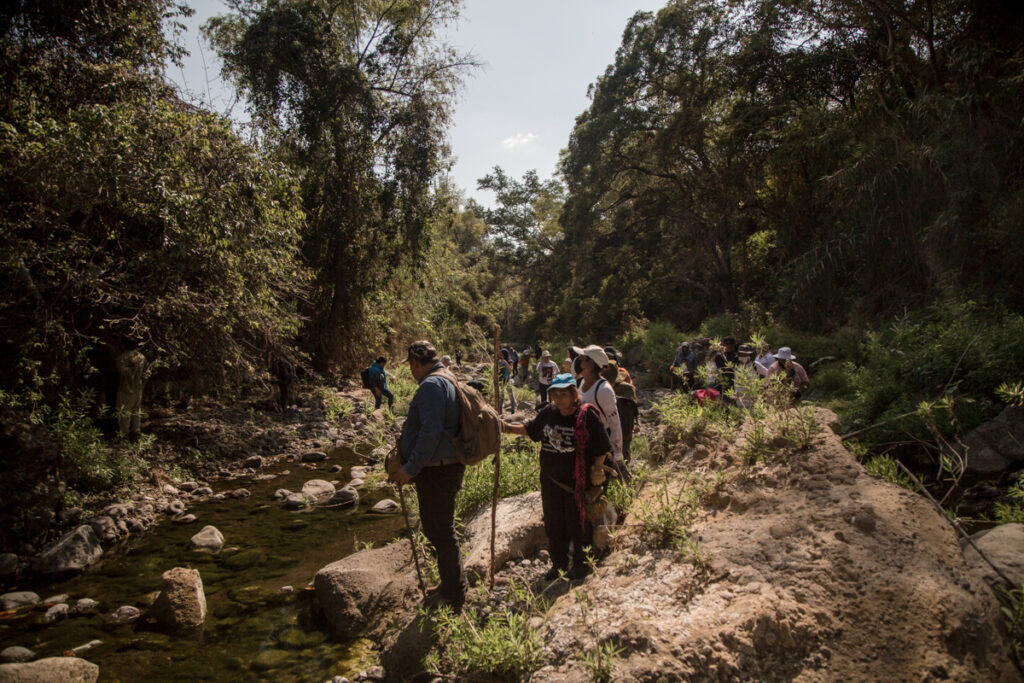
x=480, y=432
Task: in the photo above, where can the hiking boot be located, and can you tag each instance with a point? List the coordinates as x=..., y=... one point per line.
x=579, y=571
x=553, y=573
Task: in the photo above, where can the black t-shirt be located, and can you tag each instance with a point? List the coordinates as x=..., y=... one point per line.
x=558, y=443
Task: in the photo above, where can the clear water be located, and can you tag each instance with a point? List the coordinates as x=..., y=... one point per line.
x=253, y=630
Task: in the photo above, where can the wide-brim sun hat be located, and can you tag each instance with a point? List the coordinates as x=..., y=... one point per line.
x=545, y=354
x=594, y=353
x=563, y=380
x=785, y=353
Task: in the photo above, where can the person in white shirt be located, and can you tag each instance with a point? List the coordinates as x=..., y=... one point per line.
x=764, y=360
x=596, y=389
x=546, y=371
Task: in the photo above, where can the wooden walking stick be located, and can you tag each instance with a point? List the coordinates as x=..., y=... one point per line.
x=497, y=456
x=412, y=539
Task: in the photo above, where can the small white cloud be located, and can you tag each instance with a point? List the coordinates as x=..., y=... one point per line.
x=518, y=140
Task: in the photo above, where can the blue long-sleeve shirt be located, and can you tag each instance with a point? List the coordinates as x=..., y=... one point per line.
x=434, y=409
x=686, y=357
x=378, y=377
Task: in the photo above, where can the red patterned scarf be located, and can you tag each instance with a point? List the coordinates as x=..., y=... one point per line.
x=581, y=435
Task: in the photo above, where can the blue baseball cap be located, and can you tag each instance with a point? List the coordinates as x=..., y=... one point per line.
x=563, y=380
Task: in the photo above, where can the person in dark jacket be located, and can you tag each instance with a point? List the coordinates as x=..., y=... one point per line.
x=379, y=383
x=430, y=463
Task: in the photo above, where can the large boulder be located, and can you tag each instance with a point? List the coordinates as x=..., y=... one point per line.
x=1004, y=547
x=17, y=599
x=181, y=604
x=75, y=551
x=345, y=497
x=357, y=594
x=50, y=670
x=519, y=533
x=799, y=567
x=997, y=445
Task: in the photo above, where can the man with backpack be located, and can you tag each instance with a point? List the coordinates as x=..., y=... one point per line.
x=377, y=382
x=431, y=463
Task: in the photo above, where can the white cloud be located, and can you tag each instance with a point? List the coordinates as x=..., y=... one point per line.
x=518, y=140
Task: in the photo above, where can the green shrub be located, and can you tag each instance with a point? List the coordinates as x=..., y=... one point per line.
x=520, y=473
x=884, y=467
x=689, y=419
x=660, y=343
x=1011, y=511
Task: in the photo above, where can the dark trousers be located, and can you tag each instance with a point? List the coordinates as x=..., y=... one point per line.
x=436, y=488
x=542, y=392
x=562, y=525
x=382, y=392
x=627, y=419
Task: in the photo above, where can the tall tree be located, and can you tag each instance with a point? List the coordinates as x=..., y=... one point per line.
x=357, y=96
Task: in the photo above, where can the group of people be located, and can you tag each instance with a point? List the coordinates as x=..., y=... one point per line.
x=583, y=437
x=720, y=364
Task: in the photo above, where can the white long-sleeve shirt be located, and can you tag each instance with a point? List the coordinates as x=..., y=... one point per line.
x=601, y=394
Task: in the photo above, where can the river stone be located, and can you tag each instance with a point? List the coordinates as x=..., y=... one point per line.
x=50, y=670
x=359, y=471
x=240, y=493
x=169, y=490
x=295, y=501
x=57, y=612
x=185, y=519
x=357, y=483
x=519, y=533
x=9, y=601
x=314, y=456
x=997, y=445
x=359, y=593
x=104, y=527
x=1004, y=547
x=181, y=605
x=187, y=486
x=125, y=614
x=16, y=653
x=8, y=565
x=75, y=551
x=203, y=491
x=254, y=461
x=209, y=539
x=174, y=507
x=83, y=606
x=85, y=648
x=317, y=488
x=335, y=468
x=281, y=494
x=344, y=497
x=380, y=453
x=386, y=507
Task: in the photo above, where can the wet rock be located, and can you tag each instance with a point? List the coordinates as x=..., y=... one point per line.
x=359, y=472
x=335, y=468
x=281, y=494
x=185, y=519
x=287, y=589
x=135, y=525
x=203, y=491
x=85, y=648
x=209, y=539
x=83, y=606
x=125, y=614
x=374, y=673
x=239, y=494
x=50, y=670
x=345, y=497
x=8, y=565
x=245, y=559
x=317, y=488
x=57, y=612
x=386, y=507
x=271, y=659
x=295, y=501
x=118, y=510
x=314, y=456
x=519, y=533
x=358, y=593
x=9, y=601
x=54, y=599
x=75, y=551
x=105, y=528
x=16, y=653
x=174, y=507
x=181, y=605
x=169, y=490
x=254, y=461
x=357, y=483
x=188, y=486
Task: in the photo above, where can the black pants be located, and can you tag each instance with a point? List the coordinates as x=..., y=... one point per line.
x=542, y=392
x=435, y=490
x=562, y=524
x=627, y=419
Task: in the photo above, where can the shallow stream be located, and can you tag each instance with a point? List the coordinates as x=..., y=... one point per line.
x=254, y=630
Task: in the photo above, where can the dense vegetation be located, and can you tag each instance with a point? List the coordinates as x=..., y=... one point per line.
x=765, y=167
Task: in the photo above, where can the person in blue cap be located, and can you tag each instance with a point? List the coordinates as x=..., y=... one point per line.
x=574, y=445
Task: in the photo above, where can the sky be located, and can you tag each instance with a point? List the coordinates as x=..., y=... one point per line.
x=518, y=109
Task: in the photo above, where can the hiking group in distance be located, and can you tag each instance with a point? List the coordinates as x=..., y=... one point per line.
x=587, y=412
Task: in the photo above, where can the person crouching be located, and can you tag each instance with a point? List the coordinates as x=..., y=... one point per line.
x=574, y=445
